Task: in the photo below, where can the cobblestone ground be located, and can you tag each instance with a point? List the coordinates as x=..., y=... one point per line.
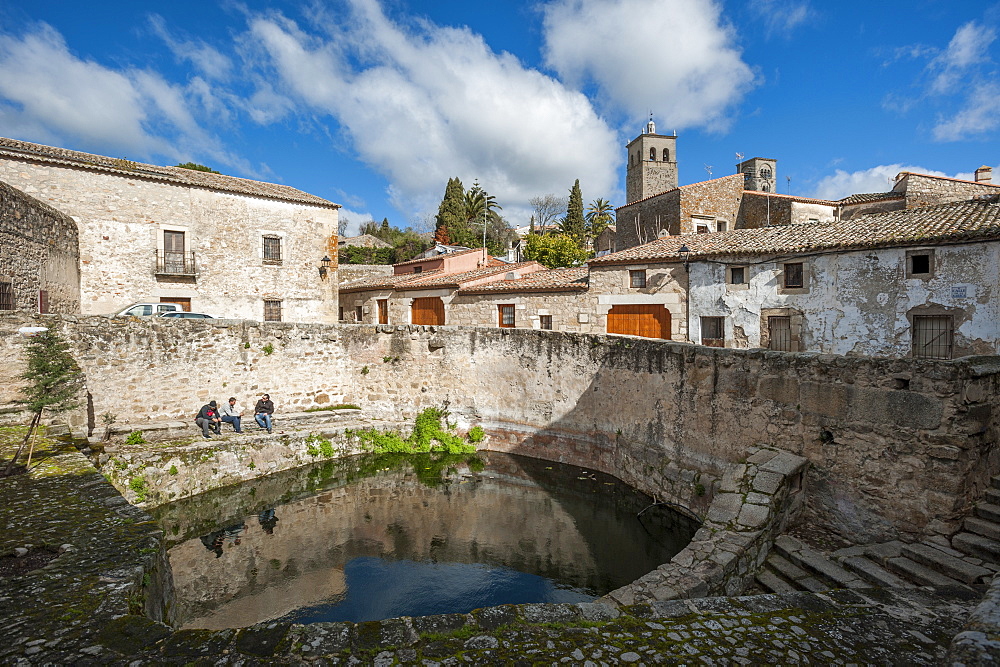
x=80, y=608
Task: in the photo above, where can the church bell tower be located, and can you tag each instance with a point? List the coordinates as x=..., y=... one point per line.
x=652, y=164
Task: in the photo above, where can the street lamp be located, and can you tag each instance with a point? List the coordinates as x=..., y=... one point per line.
x=324, y=267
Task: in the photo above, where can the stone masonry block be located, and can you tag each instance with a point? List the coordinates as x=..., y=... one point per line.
x=902, y=408
x=753, y=516
x=732, y=479
x=829, y=400
x=767, y=482
x=779, y=389
x=785, y=463
x=725, y=507
x=761, y=456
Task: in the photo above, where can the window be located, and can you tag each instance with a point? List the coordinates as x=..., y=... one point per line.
x=506, y=315
x=173, y=254
x=765, y=188
x=793, y=275
x=765, y=172
x=544, y=321
x=932, y=336
x=702, y=229
x=272, y=249
x=920, y=264
x=652, y=154
x=359, y=313
x=6, y=296
x=43, y=301
x=272, y=310
x=737, y=275
x=418, y=269
x=747, y=176
x=720, y=226
x=637, y=278
x=713, y=331
x=779, y=329
x=340, y=315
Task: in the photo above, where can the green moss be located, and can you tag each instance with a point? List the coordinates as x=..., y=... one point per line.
x=135, y=438
x=138, y=485
x=173, y=470
x=268, y=349
x=476, y=435
x=339, y=406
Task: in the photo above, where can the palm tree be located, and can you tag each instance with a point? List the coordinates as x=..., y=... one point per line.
x=600, y=214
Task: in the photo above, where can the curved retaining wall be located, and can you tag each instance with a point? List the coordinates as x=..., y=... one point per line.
x=894, y=445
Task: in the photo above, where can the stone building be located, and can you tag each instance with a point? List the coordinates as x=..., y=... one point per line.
x=919, y=282
x=652, y=164
x=421, y=291
x=556, y=299
x=228, y=246
x=39, y=256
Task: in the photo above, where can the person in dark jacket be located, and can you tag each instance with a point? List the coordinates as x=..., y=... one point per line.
x=209, y=420
x=263, y=412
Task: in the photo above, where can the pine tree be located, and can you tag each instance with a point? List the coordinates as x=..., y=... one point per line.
x=450, y=219
x=573, y=224
x=53, y=382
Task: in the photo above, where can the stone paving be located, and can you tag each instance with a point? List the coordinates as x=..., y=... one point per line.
x=83, y=608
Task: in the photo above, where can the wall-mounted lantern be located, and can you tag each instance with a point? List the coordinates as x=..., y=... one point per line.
x=324, y=267
x=684, y=252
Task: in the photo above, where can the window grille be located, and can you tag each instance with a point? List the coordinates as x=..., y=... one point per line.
x=272, y=249
x=637, y=278
x=6, y=296
x=272, y=310
x=545, y=321
x=506, y=315
x=793, y=275
x=932, y=336
x=779, y=330
x=713, y=331
x=737, y=275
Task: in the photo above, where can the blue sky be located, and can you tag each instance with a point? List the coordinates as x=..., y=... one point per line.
x=374, y=105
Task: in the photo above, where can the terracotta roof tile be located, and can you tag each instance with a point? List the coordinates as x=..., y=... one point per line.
x=866, y=197
x=178, y=175
x=447, y=254
x=553, y=280
x=384, y=282
x=427, y=281
x=973, y=220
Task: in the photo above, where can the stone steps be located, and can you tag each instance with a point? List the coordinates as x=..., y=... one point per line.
x=874, y=573
x=978, y=546
x=946, y=564
x=917, y=573
x=987, y=511
x=987, y=529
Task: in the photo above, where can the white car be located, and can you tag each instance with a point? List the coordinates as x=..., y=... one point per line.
x=186, y=315
x=147, y=309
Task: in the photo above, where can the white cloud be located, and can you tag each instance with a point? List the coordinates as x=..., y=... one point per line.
x=967, y=49
x=980, y=115
x=49, y=94
x=355, y=220
x=677, y=57
x=206, y=59
x=781, y=17
x=877, y=179
x=422, y=104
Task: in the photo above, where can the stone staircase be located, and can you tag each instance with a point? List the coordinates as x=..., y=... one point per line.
x=971, y=556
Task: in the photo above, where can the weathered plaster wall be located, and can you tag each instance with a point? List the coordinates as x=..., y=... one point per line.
x=886, y=456
x=858, y=302
x=122, y=219
x=806, y=212
x=39, y=250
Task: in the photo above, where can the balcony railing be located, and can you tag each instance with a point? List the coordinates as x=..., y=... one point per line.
x=175, y=263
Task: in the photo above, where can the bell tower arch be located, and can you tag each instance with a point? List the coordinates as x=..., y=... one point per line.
x=652, y=164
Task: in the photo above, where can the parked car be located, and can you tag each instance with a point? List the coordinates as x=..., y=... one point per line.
x=186, y=315
x=146, y=309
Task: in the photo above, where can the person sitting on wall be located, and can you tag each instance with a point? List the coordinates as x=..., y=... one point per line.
x=263, y=412
x=208, y=419
x=232, y=414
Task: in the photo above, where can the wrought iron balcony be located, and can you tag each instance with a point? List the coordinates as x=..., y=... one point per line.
x=175, y=263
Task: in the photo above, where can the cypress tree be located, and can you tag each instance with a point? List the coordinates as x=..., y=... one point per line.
x=450, y=219
x=574, y=224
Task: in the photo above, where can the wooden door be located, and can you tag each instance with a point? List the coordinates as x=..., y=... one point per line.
x=383, y=311
x=779, y=330
x=427, y=310
x=647, y=320
x=183, y=301
x=173, y=252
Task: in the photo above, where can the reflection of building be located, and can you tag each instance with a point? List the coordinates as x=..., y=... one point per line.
x=228, y=246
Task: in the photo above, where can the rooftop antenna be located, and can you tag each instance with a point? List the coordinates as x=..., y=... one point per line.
x=788, y=185
x=739, y=157
x=708, y=168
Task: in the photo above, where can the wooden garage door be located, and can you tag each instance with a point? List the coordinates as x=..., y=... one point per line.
x=427, y=310
x=650, y=321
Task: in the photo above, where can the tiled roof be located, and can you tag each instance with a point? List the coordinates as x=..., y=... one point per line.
x=363, y=241
x=438, y=279
x=944, y=178
x=178, y=175
x=777, y=195
x=447, y=254
x=384, y=282
x=973, y=220
x=554, y=280
x=868, y=197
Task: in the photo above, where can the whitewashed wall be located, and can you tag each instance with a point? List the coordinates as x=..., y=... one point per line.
x=857, y=302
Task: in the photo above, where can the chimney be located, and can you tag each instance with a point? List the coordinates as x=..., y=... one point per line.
x=984, y=174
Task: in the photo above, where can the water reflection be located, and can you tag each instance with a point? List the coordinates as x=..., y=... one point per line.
x=369, y=538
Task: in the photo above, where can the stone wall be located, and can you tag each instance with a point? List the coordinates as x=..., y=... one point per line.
x=350, y=272
x=665, y=286
x=122, y=220
x=644, y=220
x=570, y=311
x=718, y=198
x=924, y=190
x=39, y=250
x=895, y=445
